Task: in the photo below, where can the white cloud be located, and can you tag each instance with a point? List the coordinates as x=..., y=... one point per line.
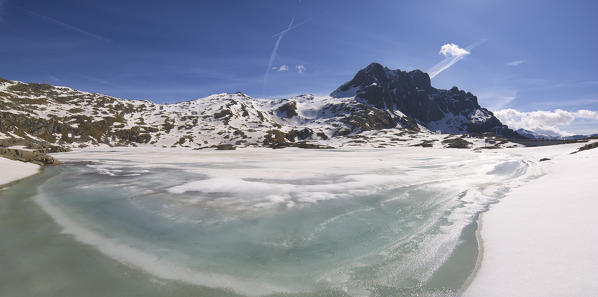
x=587, y=114
x=549, y=123
x=452, y=54
x=516, y=63
x=453, y=50
x=283, y=68
x=300, y=68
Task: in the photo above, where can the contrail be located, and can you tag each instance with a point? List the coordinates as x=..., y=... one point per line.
x=275, y=50
x=291, y=28
x=444, y=65
x=450, y=61
x=65, y=25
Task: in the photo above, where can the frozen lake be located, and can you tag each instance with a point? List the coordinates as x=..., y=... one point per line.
x=261, y=221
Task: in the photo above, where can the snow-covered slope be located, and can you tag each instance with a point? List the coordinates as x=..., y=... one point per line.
x=541, y=240
x=70, y=118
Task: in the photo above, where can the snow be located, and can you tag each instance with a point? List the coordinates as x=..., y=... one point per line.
x=541, y=240
x=20, y=147
x=11, y=170
x=480, y=116
x=450, y=123
x=12, y=135
x=350, y=92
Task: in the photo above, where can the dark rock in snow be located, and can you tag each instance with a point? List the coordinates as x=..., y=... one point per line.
x=288, y=110
x=456, y=143
x=225, y=147
x=586, y=147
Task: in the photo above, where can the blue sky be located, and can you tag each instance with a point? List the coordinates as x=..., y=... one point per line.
x=523, y=56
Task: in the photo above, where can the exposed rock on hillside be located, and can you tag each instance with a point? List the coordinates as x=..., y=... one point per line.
x=411, y=93
x=28, y=156
x=375, y=99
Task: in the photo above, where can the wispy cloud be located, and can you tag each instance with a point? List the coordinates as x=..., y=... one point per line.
x=538, y=83
x=544, y=122
x=279, y=36
x=96, y=80
x=516, y=63
x=571, y=102
x=53, y=78
x=452, y=54
x=283, y=68
x=497, y=100
x=66, y=26
x=300, y=68
x=275, y=50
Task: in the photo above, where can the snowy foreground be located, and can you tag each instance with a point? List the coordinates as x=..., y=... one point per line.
x=11, y=170
x=538, y=240
x=541, y=240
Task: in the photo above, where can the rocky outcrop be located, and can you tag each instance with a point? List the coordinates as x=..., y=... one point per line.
x=586, y=147
x=412, y=94
x=28, y=156
x=456, y=143
x=41, y=147
x=225, y=147
x=288, y=110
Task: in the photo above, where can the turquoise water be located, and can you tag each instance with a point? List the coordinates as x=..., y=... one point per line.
x=254, y=228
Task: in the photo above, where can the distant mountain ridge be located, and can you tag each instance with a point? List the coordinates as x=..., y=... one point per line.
x=535, y=135
x=376, y=99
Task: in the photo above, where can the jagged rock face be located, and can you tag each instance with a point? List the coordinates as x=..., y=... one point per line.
x=385, y=88
x=411, y=93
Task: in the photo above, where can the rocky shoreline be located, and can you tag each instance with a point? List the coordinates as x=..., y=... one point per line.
x=29, y=151
x=34, y=157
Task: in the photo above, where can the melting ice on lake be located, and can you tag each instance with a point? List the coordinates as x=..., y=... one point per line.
x=263, y=221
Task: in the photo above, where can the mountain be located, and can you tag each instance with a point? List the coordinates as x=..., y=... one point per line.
x=537, y=135
x=410, y=96
x=378, y=107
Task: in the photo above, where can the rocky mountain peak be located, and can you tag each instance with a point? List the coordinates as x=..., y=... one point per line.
x=411, y=93
x=377, y=84
x=420, y=79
